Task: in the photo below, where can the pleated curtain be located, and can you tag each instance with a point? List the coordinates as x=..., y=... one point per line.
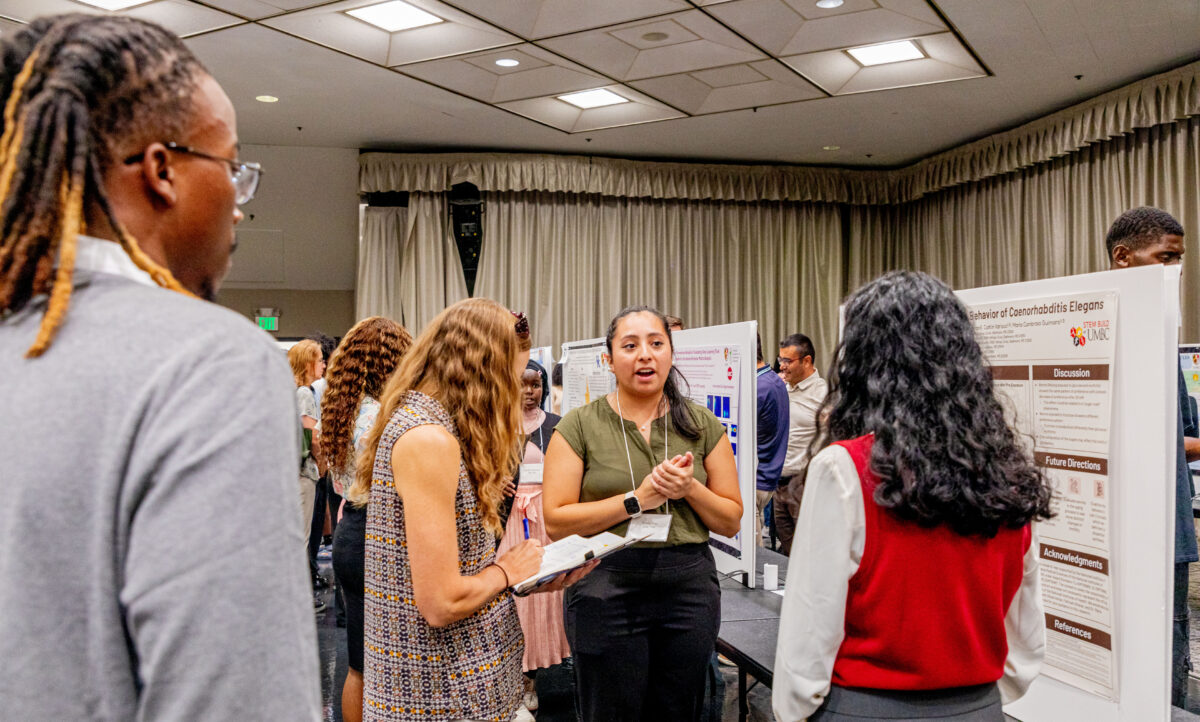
x=409, y=269
x=572, y=261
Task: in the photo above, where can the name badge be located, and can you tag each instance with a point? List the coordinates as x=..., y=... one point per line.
x=657, y=526
x=531, y=473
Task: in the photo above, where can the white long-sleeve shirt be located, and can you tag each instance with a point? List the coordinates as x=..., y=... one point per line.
x=826, y=552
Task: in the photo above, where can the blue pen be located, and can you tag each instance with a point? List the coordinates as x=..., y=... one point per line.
x=526, y=523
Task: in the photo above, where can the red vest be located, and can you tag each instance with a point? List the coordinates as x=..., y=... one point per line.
x=926, y=607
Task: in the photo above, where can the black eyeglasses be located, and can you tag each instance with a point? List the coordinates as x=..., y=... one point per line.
x=245, y=176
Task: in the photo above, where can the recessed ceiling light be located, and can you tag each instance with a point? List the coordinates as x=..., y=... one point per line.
x=831, y=147
x=655, y=37
x=266, y=98
x=112, y=4
x=829, y=4
x=882, y=53
x=508, y=62
x=597, y=98
x=394, y=16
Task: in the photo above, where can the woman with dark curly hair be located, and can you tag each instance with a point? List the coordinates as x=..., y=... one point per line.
x=358, y=371
x=913, y=588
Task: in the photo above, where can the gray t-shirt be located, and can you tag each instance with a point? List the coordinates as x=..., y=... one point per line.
x=151, y=563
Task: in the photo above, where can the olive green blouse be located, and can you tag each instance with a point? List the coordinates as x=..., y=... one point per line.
x=594, y=433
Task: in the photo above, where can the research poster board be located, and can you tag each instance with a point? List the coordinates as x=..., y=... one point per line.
x=1052, y=366
x=1106, y=560
x=586, y=373
x=716, y=362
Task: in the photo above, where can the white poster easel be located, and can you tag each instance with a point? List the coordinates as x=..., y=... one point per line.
x=1141, y=484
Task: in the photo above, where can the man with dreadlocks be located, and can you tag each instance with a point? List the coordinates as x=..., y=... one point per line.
x=132, y=410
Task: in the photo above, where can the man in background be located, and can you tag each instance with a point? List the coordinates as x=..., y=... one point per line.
x=674, y=323
x=1143, y=237
x=806, y=391
x=773, y=423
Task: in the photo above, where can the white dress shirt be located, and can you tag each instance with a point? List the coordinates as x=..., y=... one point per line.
x=826, y=552
x=803, y=401
x=101, y=256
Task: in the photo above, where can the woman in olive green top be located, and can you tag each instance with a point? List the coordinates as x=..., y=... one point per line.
x=646, y=460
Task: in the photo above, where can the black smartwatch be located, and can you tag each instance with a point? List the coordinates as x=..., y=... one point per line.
x=632, y=506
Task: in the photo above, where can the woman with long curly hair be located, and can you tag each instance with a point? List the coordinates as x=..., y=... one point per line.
x=912, y=591
x=358, y=370
x=442, y=635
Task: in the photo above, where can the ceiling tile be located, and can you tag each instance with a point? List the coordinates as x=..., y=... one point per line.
x=835, y=72
x=179, y=16
x=779, y=28
x=329, y=25
x=664, y=46
x=564, y=116
x=540, y=73
x=534, y=19
x=750, y=85
x=255, y=9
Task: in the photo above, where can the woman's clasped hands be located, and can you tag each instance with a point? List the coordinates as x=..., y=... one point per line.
x=674, y=478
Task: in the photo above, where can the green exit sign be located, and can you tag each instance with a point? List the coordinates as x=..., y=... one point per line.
x=268, y=323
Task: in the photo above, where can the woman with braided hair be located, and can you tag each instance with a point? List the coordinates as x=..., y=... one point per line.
x=136, y=592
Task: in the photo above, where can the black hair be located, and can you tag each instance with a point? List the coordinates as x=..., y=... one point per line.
x=681, y=415
x=327, y=343
x=556, y=374
x=532, y=365
x=908, y=370
x=803, y=345
x=77, y=89
x=758, y=341
x=1137, y=228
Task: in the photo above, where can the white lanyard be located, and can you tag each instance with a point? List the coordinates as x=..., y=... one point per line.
x=625, y=438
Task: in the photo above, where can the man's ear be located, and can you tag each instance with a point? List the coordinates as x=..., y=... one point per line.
x=159, y=175
x=1120, y=256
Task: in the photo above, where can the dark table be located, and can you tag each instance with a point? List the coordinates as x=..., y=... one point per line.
x=750, y=627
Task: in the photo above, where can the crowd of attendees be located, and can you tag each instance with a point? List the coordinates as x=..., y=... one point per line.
x=153, y=564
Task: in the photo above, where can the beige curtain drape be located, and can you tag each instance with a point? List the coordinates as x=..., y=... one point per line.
x=571, y=261
x=1045, y=221
x=409, y=268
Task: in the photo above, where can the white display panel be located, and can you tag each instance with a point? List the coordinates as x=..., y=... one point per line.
x=1141, y=487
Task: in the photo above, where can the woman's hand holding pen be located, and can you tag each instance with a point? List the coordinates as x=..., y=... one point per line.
x=673, y=479
x=522, y=561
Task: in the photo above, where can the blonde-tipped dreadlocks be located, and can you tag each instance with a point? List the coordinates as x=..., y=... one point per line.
x=75, y=87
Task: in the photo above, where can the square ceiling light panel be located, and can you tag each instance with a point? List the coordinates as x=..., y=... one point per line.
x=733, y=87
x=566, y=114
x=514, y=73
x=332, y=25
x=536, y=19
x=179, y=16
x=795, y=27
x=839, y=73
x=666, y=45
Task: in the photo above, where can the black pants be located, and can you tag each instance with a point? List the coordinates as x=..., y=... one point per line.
x=642, y=629
x=1181, y=658
x=786, y=507
x=326, y=498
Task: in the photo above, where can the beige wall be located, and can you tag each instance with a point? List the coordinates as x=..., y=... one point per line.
x=298, y=244
x=303, y=312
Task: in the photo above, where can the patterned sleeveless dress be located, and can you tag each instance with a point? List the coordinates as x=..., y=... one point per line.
x=468, y=669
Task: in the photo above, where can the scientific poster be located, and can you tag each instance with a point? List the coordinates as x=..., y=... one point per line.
x=713, y=374
x=586, y=374
x=1051, y=360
